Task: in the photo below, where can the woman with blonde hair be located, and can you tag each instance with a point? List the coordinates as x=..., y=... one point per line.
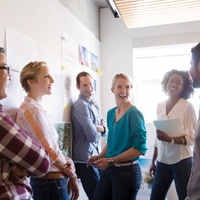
x=37, y=82
x=121, y=177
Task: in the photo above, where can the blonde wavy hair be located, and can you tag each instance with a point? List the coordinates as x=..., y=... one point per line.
x=29, y=72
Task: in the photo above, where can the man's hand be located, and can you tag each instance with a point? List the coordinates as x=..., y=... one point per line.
x=93, y=158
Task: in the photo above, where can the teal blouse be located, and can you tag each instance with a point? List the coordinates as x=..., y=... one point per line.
x=129, y=131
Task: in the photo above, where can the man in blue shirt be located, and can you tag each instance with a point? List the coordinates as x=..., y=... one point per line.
x=88, y=127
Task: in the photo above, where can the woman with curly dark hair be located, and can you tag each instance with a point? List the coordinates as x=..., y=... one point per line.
x=172, y=157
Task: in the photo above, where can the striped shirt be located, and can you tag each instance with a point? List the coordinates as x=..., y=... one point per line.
x=32, y=118
x=16, y=148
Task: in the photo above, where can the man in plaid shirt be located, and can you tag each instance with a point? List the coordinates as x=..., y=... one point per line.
x=19, y=154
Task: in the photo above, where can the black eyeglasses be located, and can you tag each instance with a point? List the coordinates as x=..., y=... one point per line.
x=6, y=68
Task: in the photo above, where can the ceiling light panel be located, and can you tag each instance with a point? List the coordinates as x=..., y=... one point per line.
x=144, y=13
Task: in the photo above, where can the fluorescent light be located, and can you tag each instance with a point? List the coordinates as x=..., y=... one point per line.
x=114, y=8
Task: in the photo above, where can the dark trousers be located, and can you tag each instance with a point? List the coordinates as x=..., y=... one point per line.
x=49, y=189
x=119, y=183
x=89, y=176
x=165, y=174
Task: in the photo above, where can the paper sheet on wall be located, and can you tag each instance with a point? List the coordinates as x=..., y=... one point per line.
x=172, y=127
x=20, y=49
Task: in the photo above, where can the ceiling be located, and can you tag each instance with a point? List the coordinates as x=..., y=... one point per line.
x=144, y=13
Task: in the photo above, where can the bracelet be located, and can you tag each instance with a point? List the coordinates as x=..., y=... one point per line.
x=104, y=129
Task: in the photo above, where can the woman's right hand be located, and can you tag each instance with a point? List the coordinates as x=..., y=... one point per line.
x=101, y=163
x=152, y=169
x=162, y=136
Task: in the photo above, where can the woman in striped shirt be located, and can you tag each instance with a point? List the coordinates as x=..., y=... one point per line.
x=31, y=116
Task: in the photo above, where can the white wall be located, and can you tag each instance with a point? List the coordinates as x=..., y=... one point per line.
x=86, y=11
x=44, y=22
x=117, y=43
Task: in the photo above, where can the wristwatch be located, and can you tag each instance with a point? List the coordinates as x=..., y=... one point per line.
x=110, y=161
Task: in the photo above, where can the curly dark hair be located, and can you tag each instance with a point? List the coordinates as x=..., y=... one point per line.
x=187, y=82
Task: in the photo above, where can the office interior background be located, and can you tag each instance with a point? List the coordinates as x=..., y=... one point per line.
x=53, y=30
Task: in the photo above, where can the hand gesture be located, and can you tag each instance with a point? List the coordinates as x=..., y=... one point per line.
x=101, y=163
x=92, y=159
x=69, y=169
x=73, y=188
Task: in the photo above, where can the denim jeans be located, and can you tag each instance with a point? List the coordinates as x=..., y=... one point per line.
x=165, y=174
x=49, y=189
x=119, y=183
x=89, y=176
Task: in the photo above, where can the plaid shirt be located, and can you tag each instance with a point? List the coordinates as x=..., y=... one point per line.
x=16, y=148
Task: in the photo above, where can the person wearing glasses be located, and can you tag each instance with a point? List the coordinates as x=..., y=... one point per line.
x=17, y=150
x=6, y=68
x=36, y=81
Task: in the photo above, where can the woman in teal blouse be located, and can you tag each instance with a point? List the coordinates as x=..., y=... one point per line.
x=121, y=177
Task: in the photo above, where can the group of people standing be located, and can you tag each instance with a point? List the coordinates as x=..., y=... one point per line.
x=173, y=158
x=29, y=146
x=113, y=173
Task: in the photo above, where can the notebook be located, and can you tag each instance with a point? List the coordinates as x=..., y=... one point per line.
x=172, y=127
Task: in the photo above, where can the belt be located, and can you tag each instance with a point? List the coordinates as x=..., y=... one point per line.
x=124, y=164
x=53, y=175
